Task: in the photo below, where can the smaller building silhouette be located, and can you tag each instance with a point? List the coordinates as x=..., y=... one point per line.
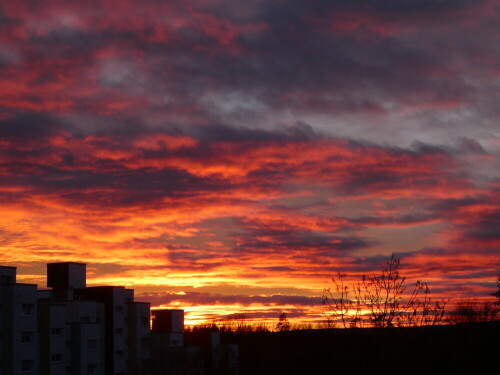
x=168, y=327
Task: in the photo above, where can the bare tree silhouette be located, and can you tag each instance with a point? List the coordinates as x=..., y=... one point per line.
x=379, y=300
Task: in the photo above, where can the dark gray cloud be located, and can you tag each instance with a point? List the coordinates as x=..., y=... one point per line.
x=246, y=66
x=195, y=298
x=259, y=237
x=25, y=126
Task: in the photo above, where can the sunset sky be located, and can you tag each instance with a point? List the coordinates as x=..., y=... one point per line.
x=232, y=156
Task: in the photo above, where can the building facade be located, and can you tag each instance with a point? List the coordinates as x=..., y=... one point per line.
x=18, y=325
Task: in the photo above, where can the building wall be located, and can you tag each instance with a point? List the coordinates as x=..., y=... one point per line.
x=54, y=356
x=168, y=321
x=7, y=275
x=18, y=329
x=87, y=349
x=85, y=321
x=138, y=337
x=113, y=298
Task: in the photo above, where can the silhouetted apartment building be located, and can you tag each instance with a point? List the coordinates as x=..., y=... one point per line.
x=18, y=325
x=71, y=329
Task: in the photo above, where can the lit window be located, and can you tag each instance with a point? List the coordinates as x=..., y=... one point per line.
x=27, y=309
x=26, y=337
x=57, y=358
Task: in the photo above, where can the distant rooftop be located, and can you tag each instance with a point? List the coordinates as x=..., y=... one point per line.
x=84, y=264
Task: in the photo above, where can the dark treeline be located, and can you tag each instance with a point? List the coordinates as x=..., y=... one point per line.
x=470, y=348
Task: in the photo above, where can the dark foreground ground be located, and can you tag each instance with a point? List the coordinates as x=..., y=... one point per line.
x=462, y=349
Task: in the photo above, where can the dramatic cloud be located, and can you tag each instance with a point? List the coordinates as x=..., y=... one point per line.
x=230, y=158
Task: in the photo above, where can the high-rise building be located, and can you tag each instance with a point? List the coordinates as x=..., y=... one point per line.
x=18, y=325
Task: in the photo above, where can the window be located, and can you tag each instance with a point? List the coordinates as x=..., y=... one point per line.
x=119, y=331
x=26, y=337
x=5, y=279
x=119, y=309
x=28, y=309
x=92, y=345
x=57, y=358
x=85, y=319
x=119, y=354
x=27, y=366
x=91, y=369
x=57, y=331
x=145, y=321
